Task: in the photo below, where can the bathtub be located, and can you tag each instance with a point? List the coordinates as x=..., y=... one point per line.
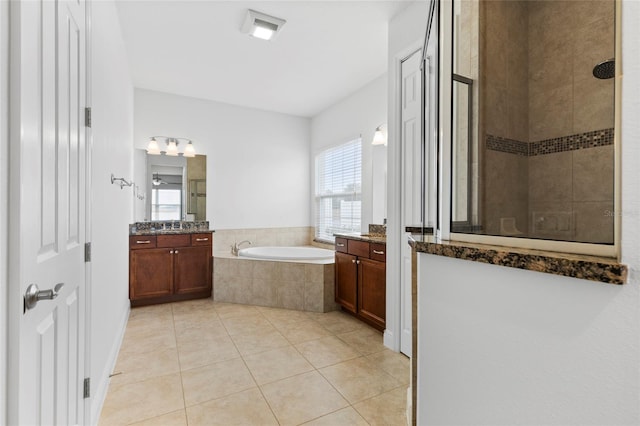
x=300, y=278
x=289, y=254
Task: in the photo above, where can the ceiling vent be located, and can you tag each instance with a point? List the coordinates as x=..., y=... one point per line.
x=262, y=26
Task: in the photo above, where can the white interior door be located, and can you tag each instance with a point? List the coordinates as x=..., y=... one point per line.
x=47, y=211
x=411, y=204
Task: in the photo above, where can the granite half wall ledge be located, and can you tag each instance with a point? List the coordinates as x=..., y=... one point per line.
x=590, y=268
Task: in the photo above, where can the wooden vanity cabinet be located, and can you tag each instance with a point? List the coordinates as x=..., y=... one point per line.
x=167, y=268
x=360, y=280
x=346, y=284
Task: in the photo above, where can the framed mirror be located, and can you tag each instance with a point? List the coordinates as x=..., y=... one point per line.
x=175, y=187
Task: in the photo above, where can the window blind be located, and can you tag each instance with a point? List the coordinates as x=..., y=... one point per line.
x=338, y=190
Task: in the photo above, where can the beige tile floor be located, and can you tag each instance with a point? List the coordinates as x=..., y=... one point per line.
x=207, y=363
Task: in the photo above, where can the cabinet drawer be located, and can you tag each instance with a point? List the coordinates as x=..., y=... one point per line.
x=341, y=245
x=378, y=251
x=180, y=240
x=201, y=239
x=358, y=248
x=142, y=242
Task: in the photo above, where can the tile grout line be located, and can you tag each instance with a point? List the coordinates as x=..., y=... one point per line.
x=184, y=401
x=252, y=376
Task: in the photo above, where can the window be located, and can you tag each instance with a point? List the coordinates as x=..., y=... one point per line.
x=339, y=190
x=166, y=204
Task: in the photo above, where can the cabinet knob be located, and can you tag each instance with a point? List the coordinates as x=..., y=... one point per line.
x=358, y=262
x=176, y=251
x=171, y=252
x=353, y=261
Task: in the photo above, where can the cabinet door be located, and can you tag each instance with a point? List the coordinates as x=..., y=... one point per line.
x=346, y=281
x=150, y=273
x=372, y=292
x=192, y=269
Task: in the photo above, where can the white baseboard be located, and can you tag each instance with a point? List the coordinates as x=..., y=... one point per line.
x=409, y=411
x=388, y=339
x=101, y=385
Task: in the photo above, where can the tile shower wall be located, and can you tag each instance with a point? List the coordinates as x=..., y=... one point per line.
x=571, y=192
x=550, y=163
x=567, y=39
x=571, y=195
x=504, y=46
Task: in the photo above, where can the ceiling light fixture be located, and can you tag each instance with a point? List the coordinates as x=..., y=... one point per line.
x=172, y=143
x=262, y=26
x=378, y=137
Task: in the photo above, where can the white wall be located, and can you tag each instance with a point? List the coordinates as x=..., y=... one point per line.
x=506, y=346
x=257, y=161
x=112, y=114
x=4, y=203
x=358, y=114
x=406, y=34
x=142, y=187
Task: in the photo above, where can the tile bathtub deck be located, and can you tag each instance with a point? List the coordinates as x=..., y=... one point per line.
x=208, y=363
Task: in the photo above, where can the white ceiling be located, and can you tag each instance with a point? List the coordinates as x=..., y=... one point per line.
x=325, y=51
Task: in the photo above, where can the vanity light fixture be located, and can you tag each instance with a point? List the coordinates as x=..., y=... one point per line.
x=172, y=143
x=261, y=25
x=378, y=137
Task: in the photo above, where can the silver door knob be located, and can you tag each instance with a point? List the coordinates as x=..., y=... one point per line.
x=33, y=295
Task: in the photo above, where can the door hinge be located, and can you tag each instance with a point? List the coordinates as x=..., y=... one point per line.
x=87, y=388
x=87, y=252
x=87, y=117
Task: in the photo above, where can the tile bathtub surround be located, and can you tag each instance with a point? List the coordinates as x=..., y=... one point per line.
x=299, y=286
x=584, y=267
x=324, y=369
x=259, y=237
x=168, y=226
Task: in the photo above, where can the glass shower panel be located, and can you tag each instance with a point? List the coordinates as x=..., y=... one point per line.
x=461, y=153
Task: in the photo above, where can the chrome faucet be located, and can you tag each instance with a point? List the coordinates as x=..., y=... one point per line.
x=235, y=248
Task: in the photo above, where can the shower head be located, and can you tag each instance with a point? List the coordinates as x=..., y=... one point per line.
x=604, y=70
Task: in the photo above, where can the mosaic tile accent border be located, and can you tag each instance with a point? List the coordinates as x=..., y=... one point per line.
x=510, y=146
x=575, y=142
x=572, y=143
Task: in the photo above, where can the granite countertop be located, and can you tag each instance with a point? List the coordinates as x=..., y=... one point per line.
x=593, y=268
x=170, y=231
x=169, y=227
x=371, y=238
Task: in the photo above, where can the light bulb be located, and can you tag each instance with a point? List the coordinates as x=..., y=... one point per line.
x=378, y=137
x=153, y=147
x=189, y=150
x=172, y=147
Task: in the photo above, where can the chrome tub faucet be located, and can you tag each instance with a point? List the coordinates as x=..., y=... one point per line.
x=235, y=248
